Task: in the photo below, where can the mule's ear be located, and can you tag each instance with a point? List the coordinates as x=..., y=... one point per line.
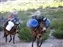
x=45, y=19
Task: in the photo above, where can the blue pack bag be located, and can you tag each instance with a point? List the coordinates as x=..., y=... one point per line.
x=47, y=22
x=32, y=23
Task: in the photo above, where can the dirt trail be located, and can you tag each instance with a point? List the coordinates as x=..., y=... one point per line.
x=51, y=42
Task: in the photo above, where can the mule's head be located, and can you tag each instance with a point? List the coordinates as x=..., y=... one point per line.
x=15, y=26
x=41, y=29
x=43, y=26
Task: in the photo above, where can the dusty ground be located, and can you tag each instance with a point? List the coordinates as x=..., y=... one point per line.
x=51, y=42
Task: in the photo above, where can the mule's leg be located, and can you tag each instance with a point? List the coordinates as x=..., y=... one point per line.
x=32, y=43
x=10, y=38
x=41, y=41
x=33, y=33
x=14, y=39
x=33, y=39
x=38, y=42
x=6, y=38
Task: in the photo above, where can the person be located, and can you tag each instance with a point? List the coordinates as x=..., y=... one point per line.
x=13, y=16
x=12, y=19
x=38, y=18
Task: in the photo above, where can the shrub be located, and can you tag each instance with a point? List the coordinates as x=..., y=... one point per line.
x=24, y=34
x=58, y=34
x=57, y=24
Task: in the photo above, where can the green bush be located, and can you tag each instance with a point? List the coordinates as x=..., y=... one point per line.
x=24, y=34
x=58, y=34
x=58, y=26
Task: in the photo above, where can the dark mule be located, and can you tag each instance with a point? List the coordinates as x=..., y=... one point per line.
x=12, y=32
x=38, y=32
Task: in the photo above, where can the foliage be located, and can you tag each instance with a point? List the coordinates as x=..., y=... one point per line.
x=24, y=34
x=58, y=34
x=56, y=17
x=23, y=6
x=58, y=26
x=54, y=14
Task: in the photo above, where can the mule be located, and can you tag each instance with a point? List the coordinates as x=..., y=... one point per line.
x=12, y=32
x=38, y=32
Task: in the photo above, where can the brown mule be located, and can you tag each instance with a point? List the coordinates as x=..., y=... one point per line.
x=12, y=32
x=37, y=33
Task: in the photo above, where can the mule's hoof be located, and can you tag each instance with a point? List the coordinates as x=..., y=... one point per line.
x=9, y=41
x=32, y=45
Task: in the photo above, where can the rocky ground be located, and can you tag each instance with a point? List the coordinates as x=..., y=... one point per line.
x=51, y=42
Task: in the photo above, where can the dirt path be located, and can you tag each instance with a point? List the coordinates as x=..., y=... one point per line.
x=51, y=42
